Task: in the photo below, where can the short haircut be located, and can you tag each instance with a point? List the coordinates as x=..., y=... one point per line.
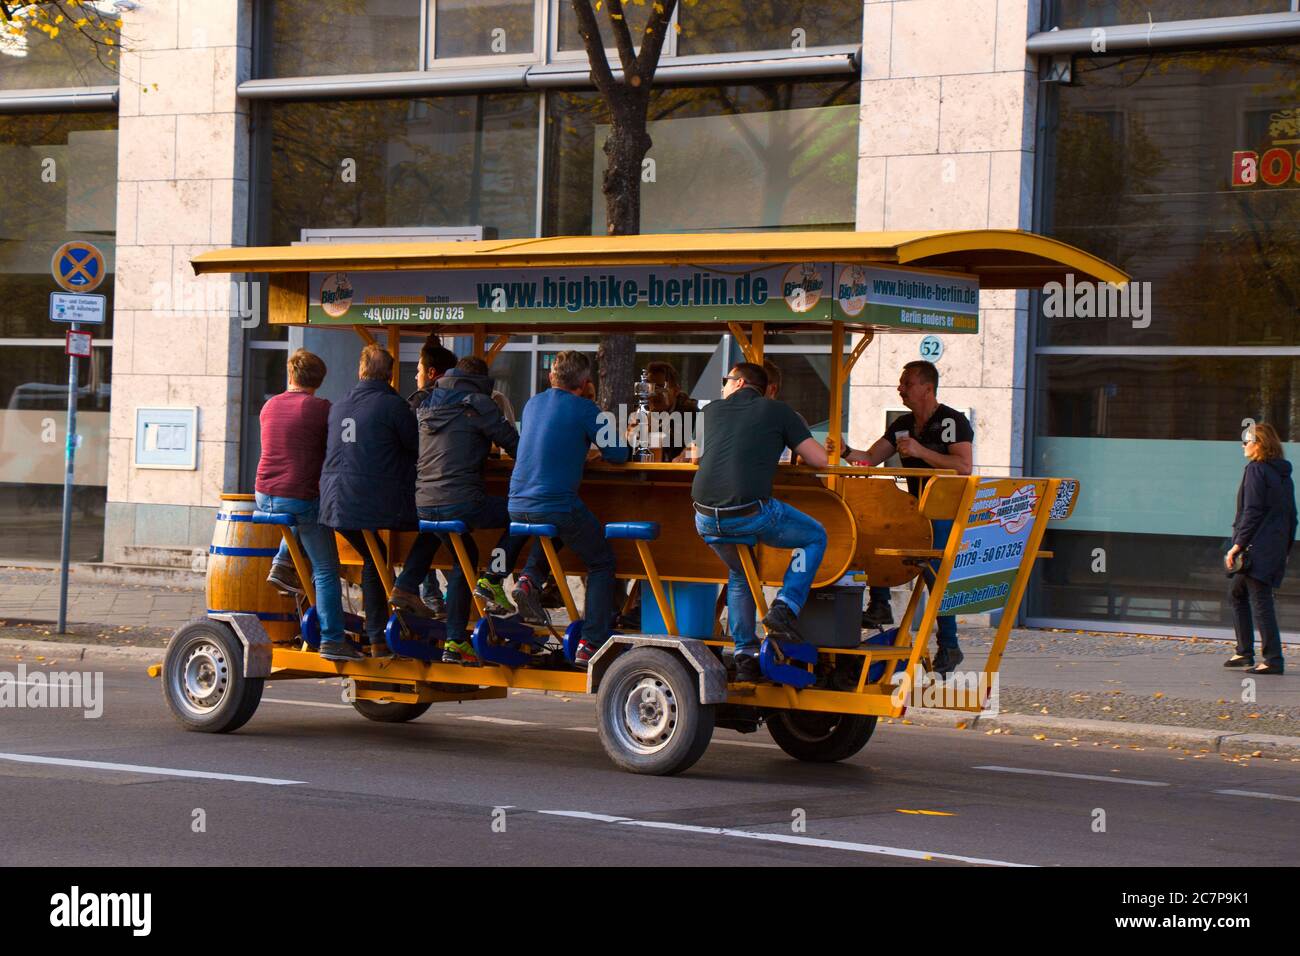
x=773, y=376
x=436, y=358
x=376, y=364
x=925, y=371
x=666, y=370
x=306, y=369
x=752, y=375
x=570, y=370
x=1267, y=443
x=472, y=365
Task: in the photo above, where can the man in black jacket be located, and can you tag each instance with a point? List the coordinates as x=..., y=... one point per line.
x=368, y=481
x=458, y=424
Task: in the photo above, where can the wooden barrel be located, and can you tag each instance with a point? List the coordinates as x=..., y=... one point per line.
x=238, y=563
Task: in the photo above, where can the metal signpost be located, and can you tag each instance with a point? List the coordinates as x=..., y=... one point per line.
x=79, y=268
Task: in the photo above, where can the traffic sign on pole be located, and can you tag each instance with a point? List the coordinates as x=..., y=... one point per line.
x=78, y=267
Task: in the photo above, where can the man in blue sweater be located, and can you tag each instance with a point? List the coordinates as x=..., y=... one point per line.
x=560, y=426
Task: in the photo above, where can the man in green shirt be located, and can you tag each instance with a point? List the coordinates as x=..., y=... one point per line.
x=742, y=438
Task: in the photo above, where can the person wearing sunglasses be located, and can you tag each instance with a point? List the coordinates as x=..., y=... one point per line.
x=742, y=438
x=1262, y=535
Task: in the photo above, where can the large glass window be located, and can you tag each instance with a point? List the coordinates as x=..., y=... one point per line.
x=568, y=38
x=1158, y=162
x=311, y=38
x=729, y=26
x=446, y=161
x=58, y=182
x=1095, y=13
x=1171, y=166
x=754, y=156
x=34, y=61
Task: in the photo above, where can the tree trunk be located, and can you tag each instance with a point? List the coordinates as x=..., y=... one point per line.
x=625, y=150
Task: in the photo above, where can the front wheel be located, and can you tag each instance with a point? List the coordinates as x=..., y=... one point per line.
x=820, y=738
x=203, y=678
x=649, y=712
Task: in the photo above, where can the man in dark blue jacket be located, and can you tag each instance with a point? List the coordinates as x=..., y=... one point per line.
x=560, y=426
x=368, y=481
x=459, y=423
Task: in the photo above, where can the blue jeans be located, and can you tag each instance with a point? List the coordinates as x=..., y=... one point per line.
x=490, y=512
x=947, y=622
x=582, y=531
x=776, y=525
x=318, y=541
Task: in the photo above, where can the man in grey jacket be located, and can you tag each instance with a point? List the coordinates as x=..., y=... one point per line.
x=459, y=423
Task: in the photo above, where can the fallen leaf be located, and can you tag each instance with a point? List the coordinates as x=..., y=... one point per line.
x=1040, y=736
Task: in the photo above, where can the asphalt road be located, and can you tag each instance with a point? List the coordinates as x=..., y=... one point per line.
x=525, y=781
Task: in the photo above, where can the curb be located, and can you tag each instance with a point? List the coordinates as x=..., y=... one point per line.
x=1072, y=728
x=81, y=652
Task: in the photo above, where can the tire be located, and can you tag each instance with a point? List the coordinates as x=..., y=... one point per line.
x=649, y=713
x=203, y=678
x=389, y=713
x=820, y=738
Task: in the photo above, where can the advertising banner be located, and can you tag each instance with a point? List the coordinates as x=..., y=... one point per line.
x=992, y=545
x=788, y=293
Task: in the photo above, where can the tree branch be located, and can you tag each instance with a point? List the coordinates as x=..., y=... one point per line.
x=623, y=42
x=590, y=32
x=652, y=41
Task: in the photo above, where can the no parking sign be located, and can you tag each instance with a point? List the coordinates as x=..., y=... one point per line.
x=77, y=266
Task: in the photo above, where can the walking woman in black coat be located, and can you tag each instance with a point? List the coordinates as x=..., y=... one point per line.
x=1262, y=535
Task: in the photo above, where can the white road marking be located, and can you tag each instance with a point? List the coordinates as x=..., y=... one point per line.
x=1256, y=793
x=1075, y=776
x=136, y=768
x=780, y=838
x=498, y=720
x=305, y=703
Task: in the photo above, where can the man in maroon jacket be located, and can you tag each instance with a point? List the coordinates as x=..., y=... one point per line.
x=294, y=426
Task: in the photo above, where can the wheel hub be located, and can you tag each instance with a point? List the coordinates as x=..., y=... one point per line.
x=204, y=677
x=649, y=713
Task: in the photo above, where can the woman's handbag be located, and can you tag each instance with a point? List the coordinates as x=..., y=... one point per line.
x=1240, y=562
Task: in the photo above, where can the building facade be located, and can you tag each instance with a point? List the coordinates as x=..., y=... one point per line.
x=233, y=122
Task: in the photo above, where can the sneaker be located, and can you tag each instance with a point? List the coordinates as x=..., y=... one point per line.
x=586, y=651
x=381, y=652
x=530, y=608
x=947, y=659
x=747, y=669
x=284, y=578
x=434, y=602
x=551, y=596
x=878, y=614
x=494, y=597
x=409, y=601
x=460, y=652
x=340, y=651
x=782, y=623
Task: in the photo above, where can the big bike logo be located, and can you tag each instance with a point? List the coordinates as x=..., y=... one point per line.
x=1280, y=164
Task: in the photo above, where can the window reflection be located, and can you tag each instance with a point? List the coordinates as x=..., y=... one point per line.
x=569, y=38
x=1094, y=13
x=1144, y=170
x=483, y=27
x=757, y=156
x=310, y=38
x=727, y=26
x=449, y=161
x=36, y=62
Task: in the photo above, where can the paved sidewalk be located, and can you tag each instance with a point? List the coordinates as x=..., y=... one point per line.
x=1120, y=678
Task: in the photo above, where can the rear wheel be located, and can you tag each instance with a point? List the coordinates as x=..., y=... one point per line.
x=203, y=678
x=820, y=738
x=389, y=713
x=649, y=712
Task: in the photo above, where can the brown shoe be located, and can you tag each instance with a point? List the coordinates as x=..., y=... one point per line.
x=409, y=603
